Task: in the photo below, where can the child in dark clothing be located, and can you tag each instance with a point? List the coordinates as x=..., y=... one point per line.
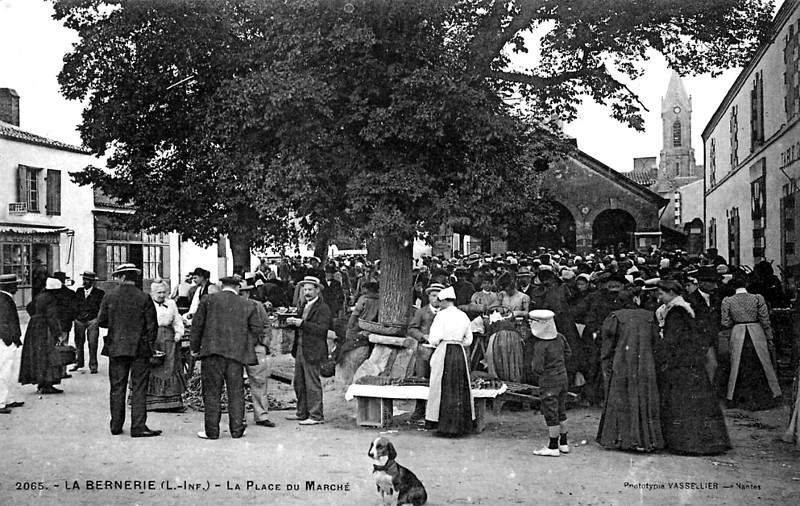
x=550, y=352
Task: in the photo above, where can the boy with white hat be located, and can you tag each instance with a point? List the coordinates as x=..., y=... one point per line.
x=550, y=352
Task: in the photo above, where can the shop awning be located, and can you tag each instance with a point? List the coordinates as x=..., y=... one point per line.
x=31, y=229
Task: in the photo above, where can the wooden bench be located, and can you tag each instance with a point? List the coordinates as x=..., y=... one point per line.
x=376, y=407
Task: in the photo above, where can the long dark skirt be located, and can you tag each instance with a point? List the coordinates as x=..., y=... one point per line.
x=752, y=391
x=35, y=367
x=166, y=382
x=455, y=410
x=691, y=418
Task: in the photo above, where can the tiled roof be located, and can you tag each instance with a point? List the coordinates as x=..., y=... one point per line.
x=642, y=178
x=9, y=131
x=103, y=200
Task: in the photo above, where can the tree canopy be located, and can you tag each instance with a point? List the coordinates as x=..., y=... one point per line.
x=272, y=120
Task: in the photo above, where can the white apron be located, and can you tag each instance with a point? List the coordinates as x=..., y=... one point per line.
x=760, y=344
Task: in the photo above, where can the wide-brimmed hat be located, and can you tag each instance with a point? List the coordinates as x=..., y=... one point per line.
x=8, y=279
x=542, y=324
x=89, y=275
x=706, y=273
x=435, y=287
x=670, y=285
x=311, y=280
x=201, y=272
x=234, y=280
x=524, y=271
x=52, y=284
x=126, y=268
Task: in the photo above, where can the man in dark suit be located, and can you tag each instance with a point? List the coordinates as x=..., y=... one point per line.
x=310, y=348
x=420, y=329
x=88, y=299
x=225, y=332
x=10, y=344
x=130, y=316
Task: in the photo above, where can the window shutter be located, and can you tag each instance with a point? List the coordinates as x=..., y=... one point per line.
x=22, y=184
x=100, y=261
x=54, y=192
x=165, y=272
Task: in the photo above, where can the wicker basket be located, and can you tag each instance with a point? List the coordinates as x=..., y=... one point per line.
x=384, y=329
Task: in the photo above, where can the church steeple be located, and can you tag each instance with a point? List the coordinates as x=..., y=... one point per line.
x=677, y=165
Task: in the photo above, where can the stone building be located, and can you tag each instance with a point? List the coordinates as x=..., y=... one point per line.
x=752, y=155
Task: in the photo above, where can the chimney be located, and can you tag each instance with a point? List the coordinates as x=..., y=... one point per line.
x=9, y=106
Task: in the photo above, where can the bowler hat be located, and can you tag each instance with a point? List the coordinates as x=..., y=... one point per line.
x=201, y=272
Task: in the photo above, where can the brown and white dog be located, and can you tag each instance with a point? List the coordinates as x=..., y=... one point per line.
x=394, y=481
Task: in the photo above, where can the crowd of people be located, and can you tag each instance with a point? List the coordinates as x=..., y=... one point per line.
x=660, y=340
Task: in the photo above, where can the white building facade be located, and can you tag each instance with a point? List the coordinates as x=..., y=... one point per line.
x=752, y=155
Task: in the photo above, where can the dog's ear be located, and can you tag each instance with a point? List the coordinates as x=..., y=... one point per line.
x=371, y=446
x=392, y=452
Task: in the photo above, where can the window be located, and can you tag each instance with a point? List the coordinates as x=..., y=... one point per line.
x=28, y=187
x=734, y=123
x=758, y=210
x=677, y=200
x=791, y=76
x=712, y=164
x=676, y=134
x=757, y=112
x=30, y=183
x=677, y=168
x=712, y=233
x=114, y=246
x=734, y=237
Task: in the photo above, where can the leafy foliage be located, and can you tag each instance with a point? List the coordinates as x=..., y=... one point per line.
x=272, y=119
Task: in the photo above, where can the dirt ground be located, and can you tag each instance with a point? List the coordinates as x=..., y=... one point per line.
x=57, y=449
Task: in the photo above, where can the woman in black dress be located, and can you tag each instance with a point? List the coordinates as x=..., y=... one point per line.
x=38, y=365
x=691, y=418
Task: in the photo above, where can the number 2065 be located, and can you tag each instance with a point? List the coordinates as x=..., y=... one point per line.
x=30, y=485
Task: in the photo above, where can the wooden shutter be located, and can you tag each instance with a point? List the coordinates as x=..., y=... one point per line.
x=100, y=261
x=165, y=271
x=54, y=192
x=22, y=184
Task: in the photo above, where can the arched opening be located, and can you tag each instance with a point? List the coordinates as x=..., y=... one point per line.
x=613, y=229
x=559, y=233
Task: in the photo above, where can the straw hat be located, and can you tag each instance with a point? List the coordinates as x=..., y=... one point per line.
x=126, y=268
x=435, y=287
x=311, y=280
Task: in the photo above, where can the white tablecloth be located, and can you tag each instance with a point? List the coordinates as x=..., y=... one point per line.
x=407, y=392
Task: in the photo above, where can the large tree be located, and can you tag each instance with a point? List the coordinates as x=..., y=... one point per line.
x=386, y=118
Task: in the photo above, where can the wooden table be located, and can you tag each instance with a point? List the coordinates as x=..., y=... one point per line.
x=376, y=409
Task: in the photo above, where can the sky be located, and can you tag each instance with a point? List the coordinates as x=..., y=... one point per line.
x=32, y=47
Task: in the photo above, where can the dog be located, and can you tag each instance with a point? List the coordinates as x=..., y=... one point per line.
x=391, y=477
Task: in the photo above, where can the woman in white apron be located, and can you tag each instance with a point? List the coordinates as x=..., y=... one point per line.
x=752, y=384
x=450, y=406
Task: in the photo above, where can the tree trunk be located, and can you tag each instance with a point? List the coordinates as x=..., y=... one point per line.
x=395, y=302
x=321, y=245
x=240, y=247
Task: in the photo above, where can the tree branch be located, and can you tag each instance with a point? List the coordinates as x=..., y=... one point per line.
x=491, y=37
x=542, y=82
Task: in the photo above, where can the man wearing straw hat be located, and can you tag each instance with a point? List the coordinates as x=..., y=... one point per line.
x=130, y=316
x=310, y=348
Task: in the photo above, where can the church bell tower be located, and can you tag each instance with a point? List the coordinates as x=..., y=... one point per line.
x=677, y=164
